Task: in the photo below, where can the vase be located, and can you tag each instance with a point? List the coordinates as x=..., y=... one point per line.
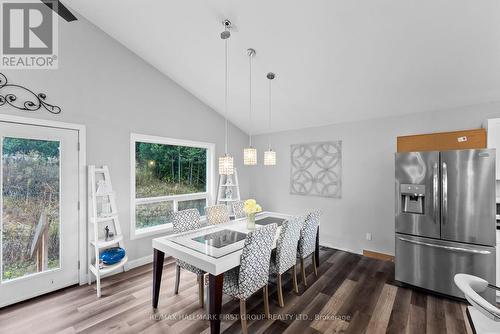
x=251, y=221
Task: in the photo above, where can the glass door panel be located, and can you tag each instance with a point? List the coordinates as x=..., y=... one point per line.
x=30, y=206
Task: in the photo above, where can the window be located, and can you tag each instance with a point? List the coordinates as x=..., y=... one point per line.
x=167, y=175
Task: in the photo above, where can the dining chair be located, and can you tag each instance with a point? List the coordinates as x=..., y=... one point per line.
x=182, y=221
x=217, y=214
x=239, y=209
x=307, y=242
x=483, y=315
x=284, y=257
x=253, y=273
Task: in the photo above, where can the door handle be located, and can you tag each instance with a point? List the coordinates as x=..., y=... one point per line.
x=435, y=190
x=444, y=190
x=451, y=248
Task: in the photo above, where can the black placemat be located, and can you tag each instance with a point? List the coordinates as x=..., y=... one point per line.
x=270, y=220
x=220, y=239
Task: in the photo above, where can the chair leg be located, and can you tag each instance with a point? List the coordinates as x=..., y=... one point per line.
x=314, y=264
x=201, y=290
x=243, y=316
x=177, y=278
x=303, y=270
x=280, y=292
x=294, y=279
x=265, y=291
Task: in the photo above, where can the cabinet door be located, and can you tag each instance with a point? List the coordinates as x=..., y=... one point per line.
x=494, y=140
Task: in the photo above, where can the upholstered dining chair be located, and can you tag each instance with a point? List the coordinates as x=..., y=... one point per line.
x=307, y=242
x=239, y=209
x=182, y=221
x=253, y=273
x=284, y=257
x=217, y=214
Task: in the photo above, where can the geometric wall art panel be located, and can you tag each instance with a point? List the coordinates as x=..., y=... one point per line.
x=316, y=169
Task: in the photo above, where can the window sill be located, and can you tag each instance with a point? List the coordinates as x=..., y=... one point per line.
x=161, y=229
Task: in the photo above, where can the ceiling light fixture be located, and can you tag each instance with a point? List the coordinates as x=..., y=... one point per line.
x=250, y=153
x=270, y=155
x=226, y=162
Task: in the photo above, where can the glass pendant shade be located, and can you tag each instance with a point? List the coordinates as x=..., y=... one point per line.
x=226, y=165
x=270, y=158
x=250, y=156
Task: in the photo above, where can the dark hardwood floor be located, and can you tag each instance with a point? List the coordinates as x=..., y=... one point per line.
x=352, y=294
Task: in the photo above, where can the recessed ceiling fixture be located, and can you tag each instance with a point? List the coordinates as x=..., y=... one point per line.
x=250, y=153
x=226, y=162
x=270, y=155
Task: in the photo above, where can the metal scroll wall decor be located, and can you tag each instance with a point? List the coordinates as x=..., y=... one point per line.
x=316, y=169
x=23, y=98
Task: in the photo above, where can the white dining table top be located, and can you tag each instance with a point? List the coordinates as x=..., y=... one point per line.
x=210, y=259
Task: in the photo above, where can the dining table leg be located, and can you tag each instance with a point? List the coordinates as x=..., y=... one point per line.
x=316, y=253
x=158, y=257
x=215, y=301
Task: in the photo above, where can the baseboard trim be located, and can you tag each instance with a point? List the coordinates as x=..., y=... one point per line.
x=378, y=256
x=139, y=262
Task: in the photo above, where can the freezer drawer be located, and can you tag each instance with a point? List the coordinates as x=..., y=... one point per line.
x=431, y=264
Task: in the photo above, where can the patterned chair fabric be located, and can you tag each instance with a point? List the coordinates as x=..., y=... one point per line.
x=285, y=256
x=307, y=241
x=253, y=273
x=217, y=214
x=239, y=209
x=182, y=221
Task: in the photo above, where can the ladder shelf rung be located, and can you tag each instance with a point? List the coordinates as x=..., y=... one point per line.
x=101, y=243
x=106, y=218
x=107, y=269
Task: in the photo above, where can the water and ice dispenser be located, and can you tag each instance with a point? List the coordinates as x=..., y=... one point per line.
x=413, y=198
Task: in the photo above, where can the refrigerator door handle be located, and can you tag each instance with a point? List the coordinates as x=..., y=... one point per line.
x=435, y=190
x=444, y=190
x=451, y=248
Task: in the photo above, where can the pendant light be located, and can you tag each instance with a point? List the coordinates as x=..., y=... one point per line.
x=226, y=162
x=250, y=153
x=270, y=155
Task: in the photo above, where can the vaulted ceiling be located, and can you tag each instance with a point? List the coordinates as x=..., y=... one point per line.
x=336, y=61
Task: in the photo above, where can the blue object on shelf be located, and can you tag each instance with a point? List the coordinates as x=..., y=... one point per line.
x=112, y=255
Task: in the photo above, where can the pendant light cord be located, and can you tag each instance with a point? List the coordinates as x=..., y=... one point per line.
x=269, y=120
x=225, y=98
x=250, y=103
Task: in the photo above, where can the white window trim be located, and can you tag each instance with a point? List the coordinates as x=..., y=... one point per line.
x=167, y=228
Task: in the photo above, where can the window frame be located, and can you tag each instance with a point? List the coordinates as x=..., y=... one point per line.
x=208, y=194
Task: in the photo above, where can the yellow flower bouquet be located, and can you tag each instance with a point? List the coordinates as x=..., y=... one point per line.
x=251, y=208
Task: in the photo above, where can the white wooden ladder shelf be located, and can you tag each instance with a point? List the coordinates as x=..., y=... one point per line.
x=229, y=190
x=102, y=212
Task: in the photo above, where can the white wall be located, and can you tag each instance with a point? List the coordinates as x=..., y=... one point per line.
x=104, y=86
x=367, y=203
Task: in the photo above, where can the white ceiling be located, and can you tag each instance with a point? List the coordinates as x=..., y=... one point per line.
x=336, y=61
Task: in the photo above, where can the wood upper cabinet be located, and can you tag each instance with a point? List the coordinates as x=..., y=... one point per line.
x=493, y=126
x=444, y=141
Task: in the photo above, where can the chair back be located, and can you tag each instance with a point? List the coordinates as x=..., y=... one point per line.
x=307, y=241
x=286, y=245
x=239, y=209
x=186, y=220
x=470, y=286
x=255, y=259
x=217, y=214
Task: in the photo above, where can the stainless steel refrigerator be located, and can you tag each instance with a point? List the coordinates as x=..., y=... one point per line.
x=445, y=218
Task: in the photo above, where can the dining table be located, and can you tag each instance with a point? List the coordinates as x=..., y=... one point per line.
x=214, y=249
